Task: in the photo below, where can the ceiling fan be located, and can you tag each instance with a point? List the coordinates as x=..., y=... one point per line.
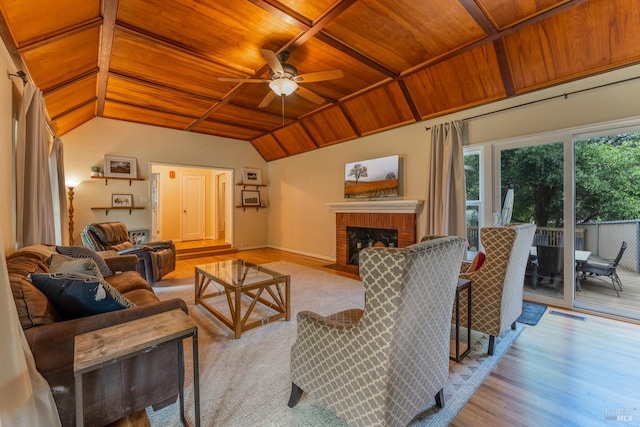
x=285, y=79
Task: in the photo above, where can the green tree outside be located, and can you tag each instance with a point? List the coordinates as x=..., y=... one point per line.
x=607, y=180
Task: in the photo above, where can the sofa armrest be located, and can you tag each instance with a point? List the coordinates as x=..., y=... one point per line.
x=61, y=335
x=135, y=250
x=161, y=244
x=121, y=262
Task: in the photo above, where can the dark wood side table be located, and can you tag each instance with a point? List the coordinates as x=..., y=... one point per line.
x=106, y=346
x=463, y=285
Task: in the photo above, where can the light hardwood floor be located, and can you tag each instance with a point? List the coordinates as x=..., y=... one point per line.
x=561, y=372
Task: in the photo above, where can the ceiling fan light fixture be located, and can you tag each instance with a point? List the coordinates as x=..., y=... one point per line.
x=283, y=86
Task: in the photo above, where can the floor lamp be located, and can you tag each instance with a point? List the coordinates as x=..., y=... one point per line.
x=70, y=186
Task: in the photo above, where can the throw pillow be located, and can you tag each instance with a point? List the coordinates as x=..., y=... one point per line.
x=82, y=252
x=477, y=262
x=66, y=264
x=33, y=307
x=79, y=295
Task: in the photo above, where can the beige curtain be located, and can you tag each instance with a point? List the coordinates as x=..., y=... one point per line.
x=34, y=206
x=58, y=190
x=25, y=396
x=445, y=198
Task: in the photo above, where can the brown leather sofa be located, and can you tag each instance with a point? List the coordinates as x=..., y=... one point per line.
x=115, y=391
x=155, y=259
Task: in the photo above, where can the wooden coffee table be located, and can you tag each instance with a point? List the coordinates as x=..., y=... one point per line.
x=237, y=277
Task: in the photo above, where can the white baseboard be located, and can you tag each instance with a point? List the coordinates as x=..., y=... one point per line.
x=303, y=253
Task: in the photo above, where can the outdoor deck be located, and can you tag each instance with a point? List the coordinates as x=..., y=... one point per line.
x=598, y=291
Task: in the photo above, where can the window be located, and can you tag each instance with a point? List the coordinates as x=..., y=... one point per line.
x=473, y=191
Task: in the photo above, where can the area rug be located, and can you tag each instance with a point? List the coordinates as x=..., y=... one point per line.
x=531, y=313
x=246, y=382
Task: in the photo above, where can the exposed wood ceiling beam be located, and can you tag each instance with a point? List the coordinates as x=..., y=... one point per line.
x=495, y=36
x=71, y=110
x=505, y=69
x=11, y=47
x=61, y=35
x=70, y=82
x=323, y=22
x=284, y=13
x=109, y=10
x=479, y=16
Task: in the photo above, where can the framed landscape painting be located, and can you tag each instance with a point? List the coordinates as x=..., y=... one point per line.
x=120, y=167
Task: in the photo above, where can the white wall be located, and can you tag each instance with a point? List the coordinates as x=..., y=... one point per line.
x=86, y=145
x=300, y=221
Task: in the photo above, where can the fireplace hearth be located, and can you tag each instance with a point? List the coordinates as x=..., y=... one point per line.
x=395, y=216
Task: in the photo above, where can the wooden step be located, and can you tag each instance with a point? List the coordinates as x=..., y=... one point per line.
x=204, y=251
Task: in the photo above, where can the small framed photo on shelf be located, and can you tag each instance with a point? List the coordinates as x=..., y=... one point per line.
x=250, y=198
x=121, y=200
x=120, y=167
x=139, y=237
x=251, y=176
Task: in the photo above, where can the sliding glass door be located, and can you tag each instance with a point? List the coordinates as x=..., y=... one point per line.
x=582, y=190
x=607, y=213
x=536, y=174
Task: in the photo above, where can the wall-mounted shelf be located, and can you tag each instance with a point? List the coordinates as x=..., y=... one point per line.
x=242, y=184
x=116, y=208
x=107, y=178
x=244, y=208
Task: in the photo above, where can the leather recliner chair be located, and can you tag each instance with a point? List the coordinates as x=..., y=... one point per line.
x=155, y=259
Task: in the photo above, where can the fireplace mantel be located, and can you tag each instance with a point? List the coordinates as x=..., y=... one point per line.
x=377, y=206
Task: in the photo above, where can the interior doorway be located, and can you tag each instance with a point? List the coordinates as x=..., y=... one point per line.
x=205, y=193
x=192, y=200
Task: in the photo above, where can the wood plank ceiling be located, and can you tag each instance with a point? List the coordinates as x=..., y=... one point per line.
x=158, y=61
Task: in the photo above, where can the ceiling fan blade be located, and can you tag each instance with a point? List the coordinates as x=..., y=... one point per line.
x=319, y=76
x=267, y=99
x=311, y=96
x=273, y=61
x=234, y=79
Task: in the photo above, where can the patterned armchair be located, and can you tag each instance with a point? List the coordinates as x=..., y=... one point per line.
x=497, y=286
x=380, y=366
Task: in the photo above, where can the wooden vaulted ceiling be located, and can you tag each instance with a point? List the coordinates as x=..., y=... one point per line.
x=158, y=61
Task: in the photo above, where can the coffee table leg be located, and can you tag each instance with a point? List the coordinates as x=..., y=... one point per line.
x=196, y=288
x=237, y=319
x=287, y=302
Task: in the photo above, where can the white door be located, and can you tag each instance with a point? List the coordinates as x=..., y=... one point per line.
x=221, y=206
x=193, y=205
x=155, y=207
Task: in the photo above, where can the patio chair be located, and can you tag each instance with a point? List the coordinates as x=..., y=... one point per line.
x=600, y=270
x=540, y=239
x=550, y=263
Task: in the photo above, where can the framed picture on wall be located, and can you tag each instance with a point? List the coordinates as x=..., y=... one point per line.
x=122, y=200
x=250, y=198
x=120, y=167
x=251, y=176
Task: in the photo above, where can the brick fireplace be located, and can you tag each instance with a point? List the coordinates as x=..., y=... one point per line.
x=390, y=215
